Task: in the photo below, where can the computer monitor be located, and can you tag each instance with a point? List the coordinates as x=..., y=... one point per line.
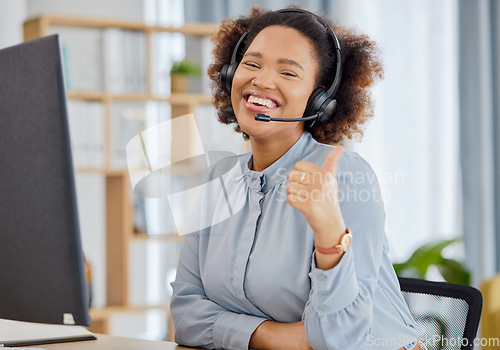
x=42, y=277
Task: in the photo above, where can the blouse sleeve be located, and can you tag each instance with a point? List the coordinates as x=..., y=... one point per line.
x=198, y=321
x=339, y=312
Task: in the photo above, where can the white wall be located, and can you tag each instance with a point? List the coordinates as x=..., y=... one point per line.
x=12, y=15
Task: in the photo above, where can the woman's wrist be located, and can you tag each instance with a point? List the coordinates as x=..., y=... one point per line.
x=279, y=335
x=329, y=251
x=329, y=237
x=327, y=261
x=260, y=338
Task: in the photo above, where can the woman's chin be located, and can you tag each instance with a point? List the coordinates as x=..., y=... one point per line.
x=249, y=125
x=260, y=129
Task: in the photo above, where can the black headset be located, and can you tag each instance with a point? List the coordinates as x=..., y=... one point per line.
x=320, y=105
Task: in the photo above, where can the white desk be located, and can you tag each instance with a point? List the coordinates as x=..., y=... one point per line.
x=107, y=342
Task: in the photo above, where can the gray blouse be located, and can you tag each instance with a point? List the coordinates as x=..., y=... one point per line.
x=250, y=258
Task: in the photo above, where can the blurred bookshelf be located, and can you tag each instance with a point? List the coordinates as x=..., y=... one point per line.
x=118, y=84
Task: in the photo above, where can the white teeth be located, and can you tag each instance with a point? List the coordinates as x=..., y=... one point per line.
x=261, y=101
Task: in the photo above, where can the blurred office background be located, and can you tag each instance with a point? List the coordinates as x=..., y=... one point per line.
x=433, y=142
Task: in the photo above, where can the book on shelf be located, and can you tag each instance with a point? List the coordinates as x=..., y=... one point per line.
x=127, y=120
x=134, y=57
x=152, y=268
x=124, y=57
x=113, y=48
x=91, y=200
x=199, y=49
x=82, y=60
x=86, y=123
x=109, y=59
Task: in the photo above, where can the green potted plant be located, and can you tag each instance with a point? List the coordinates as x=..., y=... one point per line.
x=180, y=72
x=430, y=254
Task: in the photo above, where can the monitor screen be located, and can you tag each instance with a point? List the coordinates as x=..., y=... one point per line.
x=42, y=275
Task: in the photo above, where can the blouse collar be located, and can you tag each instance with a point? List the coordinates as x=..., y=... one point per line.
x=277, y=172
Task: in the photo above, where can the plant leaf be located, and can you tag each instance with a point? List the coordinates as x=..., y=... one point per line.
x=186, y=67
x=454, y=272
x=430, y=254
x=406, y=270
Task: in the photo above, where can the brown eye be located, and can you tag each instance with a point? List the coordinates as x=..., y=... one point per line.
x=289, y=74
x=251, y=64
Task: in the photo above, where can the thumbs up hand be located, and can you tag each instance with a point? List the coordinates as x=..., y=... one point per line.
x=313, y=190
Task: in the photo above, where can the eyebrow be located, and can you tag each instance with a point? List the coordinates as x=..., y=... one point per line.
x=281, y=60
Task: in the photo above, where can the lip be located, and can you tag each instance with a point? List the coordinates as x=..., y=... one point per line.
x=259, y=109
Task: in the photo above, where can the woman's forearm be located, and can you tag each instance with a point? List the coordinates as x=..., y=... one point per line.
x=277, y=335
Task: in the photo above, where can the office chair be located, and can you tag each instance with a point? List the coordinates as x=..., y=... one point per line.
x=447, y=315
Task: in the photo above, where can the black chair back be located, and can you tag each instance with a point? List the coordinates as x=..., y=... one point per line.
x=447, y=315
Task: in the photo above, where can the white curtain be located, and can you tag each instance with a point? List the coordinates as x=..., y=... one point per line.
x=215, y=10
x=480, y=126
x=412, y=142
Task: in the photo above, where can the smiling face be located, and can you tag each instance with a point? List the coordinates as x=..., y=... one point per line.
x=276, y=77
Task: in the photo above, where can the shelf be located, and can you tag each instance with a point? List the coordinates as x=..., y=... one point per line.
x=180, y=99
x=182, y=169
x=195, y=29
x=104, y=171
x=189, y=98
x=177, y=171
x=97, y=314
x=119, y=202
x=160, y=237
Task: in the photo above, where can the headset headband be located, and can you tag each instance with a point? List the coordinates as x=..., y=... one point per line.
x=338, y=70
x=321, y=104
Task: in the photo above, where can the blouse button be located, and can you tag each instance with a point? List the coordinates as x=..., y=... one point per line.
x=322, y=308
x=322, y=293
x=321, y=278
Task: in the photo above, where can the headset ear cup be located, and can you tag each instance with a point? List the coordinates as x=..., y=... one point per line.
x=227, y=75
x=223, y=76
x=320, y=102
x=328, y=109
x=312, y=105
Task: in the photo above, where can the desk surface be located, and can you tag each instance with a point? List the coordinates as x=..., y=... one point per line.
x=107, y=342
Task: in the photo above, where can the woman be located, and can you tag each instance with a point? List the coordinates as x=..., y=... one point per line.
x=274, y=268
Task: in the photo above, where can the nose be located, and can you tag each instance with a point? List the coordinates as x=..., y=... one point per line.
x=264, y=80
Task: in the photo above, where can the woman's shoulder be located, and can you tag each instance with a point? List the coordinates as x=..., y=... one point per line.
x=350, y=161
